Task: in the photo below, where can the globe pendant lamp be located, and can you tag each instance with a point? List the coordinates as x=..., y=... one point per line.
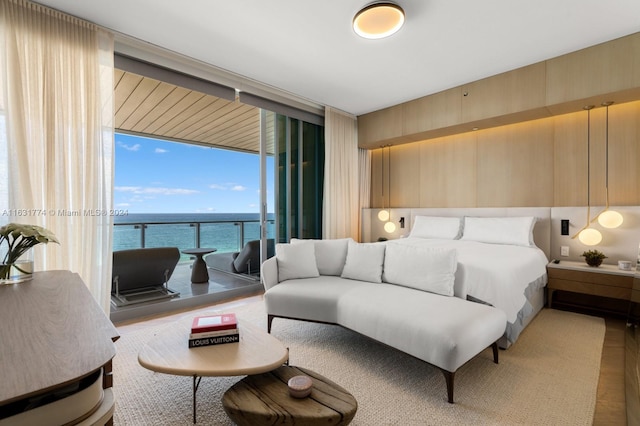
x=589, y=236
x=608, y=218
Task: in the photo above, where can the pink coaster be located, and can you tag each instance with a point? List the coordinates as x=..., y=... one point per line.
x=300, y=386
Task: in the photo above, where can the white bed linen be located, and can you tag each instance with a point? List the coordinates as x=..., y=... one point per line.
x=494, y=273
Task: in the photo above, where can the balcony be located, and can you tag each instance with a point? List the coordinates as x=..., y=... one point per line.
x=224, y=235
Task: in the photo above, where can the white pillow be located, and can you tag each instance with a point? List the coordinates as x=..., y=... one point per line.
x=330, y=254
x=296, y=261
x=422, y=268
x=446, y=228
x=364, y=262
x=500, y=230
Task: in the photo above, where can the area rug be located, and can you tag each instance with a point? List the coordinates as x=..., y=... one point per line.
x=548, y=377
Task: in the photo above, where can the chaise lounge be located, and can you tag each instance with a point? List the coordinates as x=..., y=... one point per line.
x=142, y=275
x=402, y=297
x=246, y=261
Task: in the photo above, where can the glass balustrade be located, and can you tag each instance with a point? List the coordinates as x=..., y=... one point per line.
x=225, y=236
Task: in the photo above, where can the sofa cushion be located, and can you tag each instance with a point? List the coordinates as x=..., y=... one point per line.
x=296, y=261
x=364, y=262
x=313, y=299
x=444, y=331
x=331, y=255
x=422, y=268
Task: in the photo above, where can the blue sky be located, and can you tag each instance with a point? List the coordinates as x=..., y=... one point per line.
x=155, y=176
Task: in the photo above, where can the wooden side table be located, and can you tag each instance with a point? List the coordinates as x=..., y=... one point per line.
x=264, y=399
x=577, y=277
x=199, y=273
x=56, y=353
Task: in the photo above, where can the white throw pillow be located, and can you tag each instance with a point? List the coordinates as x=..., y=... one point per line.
x=364, y=262
x=500, y=230
x=296, y=261
x=422, y=268
x=446, y=228
x=331, y=255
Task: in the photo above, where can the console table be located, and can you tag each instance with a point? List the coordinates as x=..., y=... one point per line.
x=56, y=352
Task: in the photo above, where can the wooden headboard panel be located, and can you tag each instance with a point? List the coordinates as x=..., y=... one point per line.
x=372, y=228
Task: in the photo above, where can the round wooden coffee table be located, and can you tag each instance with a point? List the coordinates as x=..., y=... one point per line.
x=168, y=352
x=264, y=399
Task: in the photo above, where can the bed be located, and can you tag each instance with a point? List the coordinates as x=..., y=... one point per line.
x=499, y=262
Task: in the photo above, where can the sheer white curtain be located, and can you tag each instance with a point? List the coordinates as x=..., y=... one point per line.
x=56, y=140
x=341, y=205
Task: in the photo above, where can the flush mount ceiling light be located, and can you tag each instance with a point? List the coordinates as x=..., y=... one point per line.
x=378, y=20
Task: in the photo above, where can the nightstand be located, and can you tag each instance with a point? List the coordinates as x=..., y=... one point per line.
x=605, y=281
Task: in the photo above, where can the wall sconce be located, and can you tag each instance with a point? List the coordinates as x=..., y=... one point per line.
x=401, y=222
x=588, y=236
x=608, y=218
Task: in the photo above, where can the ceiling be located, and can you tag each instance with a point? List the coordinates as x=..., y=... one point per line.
x=148, y=107
x=307, y=47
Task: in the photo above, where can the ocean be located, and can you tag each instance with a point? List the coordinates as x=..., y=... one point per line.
x=217, y=230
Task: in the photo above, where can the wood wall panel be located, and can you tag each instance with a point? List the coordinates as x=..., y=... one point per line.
x=512, y=92
x=536, y=163
x=624, y=154
x=379, y=126
x=405, y=166
x=515, y=165
x=448, y=172
x=570, y=160
x=599, y=69
x=377, y=181
x=439, y=110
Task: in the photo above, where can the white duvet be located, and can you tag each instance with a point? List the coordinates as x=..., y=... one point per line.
x=494, y=273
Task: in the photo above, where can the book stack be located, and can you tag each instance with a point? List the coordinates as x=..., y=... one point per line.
x=210, y=330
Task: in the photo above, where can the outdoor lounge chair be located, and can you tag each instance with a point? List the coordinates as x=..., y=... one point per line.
x=141, y=275
x=246, y=261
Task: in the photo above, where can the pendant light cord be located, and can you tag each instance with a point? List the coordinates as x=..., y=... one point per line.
x=382, y=175
x=389, y=180
x=588, y=108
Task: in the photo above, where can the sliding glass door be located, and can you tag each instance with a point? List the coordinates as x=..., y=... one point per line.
x=299, y=176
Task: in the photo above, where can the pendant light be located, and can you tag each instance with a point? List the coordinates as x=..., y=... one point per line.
x=608, y=218
x=383, y=215
x=588, y=236
x=389, y=226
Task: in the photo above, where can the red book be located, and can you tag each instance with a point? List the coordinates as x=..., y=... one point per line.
x=203, y=324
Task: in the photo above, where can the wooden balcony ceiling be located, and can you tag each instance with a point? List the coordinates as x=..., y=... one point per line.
x=148, y=107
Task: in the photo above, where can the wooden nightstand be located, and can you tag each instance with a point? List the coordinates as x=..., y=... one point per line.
x=605, y=281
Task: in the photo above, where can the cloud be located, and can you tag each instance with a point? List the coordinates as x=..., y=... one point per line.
x=135, y=147
x=155, y=190
x=228, y=187
x=160, y=151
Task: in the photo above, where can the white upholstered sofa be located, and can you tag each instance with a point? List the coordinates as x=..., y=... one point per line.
x=398, y=295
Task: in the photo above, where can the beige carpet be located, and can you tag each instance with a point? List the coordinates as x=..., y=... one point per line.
x=549, y=377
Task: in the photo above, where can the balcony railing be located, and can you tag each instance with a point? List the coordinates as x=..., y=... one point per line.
x=225, y=236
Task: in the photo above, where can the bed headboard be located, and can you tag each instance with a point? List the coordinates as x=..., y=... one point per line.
x=372, y=228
